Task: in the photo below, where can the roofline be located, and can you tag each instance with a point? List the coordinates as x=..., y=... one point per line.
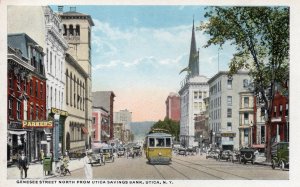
x=225, y=73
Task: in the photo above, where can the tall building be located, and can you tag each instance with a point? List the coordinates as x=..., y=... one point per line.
x=173, y=107
x=124, y=117
x=26, y=114
x=224, y=108
x=105, y=99
x=76, y=29
x=193, y=90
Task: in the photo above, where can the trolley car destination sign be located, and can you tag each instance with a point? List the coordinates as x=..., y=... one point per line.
x=37, y=124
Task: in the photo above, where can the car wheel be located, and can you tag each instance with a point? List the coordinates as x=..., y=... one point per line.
x=273, y=164
x=282, y=165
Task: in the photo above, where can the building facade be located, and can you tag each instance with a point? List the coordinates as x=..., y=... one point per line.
x=100, y=125
x=173, y=107
x=26, y=97
x=76, y=29
x=193, y=90
x=105, y=99
x=124, y=117
x=224, y=108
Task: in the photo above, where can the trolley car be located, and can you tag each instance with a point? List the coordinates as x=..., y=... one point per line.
x=158, y=147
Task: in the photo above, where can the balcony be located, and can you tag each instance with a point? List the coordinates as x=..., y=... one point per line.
x=72, y=39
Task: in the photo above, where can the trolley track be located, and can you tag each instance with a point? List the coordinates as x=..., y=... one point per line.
x=174, y=169
x=201, y=165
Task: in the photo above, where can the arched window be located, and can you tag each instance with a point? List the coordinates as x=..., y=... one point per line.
x=67, y=87
x=77, y=30
x=71, y=89
x=74, y=92
x=71, y=30
x=65, y=29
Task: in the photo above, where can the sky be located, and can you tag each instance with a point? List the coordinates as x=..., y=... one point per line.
x=138, y=52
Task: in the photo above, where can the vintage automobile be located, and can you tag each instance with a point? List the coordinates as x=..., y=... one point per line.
x=224, y=155
x=246, y=155
x=121, y=152
x=182, y=151
x=280, y=155
x=137, y=150
x=235, y=156
x=108, y=153
x=212, y=153
x=97, y=157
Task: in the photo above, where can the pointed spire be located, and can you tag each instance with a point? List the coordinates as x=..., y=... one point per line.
x=193, y=61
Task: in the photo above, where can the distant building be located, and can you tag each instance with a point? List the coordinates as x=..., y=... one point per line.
x=100, y=125
x=193, y=90
x=173, y=107
x=119, y=132
x=105, y=99
x=124, y=117
x=225, y=95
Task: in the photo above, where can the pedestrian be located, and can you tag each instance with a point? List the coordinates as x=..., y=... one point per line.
x=23, y=165
x=87, y=166
x=42, y=156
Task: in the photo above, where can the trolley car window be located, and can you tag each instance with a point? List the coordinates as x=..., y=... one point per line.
x=168, y=142
x=151, y=142
x=160, y=142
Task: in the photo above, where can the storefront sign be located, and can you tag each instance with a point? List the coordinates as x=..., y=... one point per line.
x=228, y=134
x=37, y=124
x=59, y=112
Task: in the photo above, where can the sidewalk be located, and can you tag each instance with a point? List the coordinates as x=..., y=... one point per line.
x=35, y=170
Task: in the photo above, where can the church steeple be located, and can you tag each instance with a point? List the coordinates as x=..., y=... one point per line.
x=193, y=68
x=194, y=56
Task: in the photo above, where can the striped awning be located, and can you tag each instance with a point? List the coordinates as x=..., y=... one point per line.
x=84, y=130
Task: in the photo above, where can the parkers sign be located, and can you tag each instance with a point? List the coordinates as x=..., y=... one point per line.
x=37, y=124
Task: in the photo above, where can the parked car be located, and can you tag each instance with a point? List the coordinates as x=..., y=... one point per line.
x=108, y=153
x=225, y=155
x=97, y=157
x=280, y=155
x=121, y=152
x=246, y=155
x=137, y=150
x=182, y=151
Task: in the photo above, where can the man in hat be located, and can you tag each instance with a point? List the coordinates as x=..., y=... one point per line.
x=23, y=164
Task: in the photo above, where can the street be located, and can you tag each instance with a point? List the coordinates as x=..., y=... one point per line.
x=182, y=168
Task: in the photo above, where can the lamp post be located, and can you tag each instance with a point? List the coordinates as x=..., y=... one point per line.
x=56, y=137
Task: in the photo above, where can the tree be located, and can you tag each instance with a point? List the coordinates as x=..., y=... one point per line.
x=170, y=125
x=261, y=38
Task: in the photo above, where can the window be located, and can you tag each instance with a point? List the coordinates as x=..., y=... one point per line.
x=10, y=107
x=10, y=81
x=195, y=95
x=77, y=30
x=31, y=112
x=200, y=95
x=231, y=139
x=18, y=109
x=246, y=118
x=151, y=142
x=160, y=142
x=71, y=31
x=50, y=62
x=195, y=105
x=51, y=97
x=36, y=89
x=246, y=102
x=274, y=112
x=229, y=100
x=229, y=83
x=37, y=113
x=204, y=94
x=41, y=91
x=94, y=120
x=200, y=105
x=245, y=83
x=229, y=112
x=280, y=110
x=286, y=109
x=168, y=142
x=229, y=126
x=31, y=85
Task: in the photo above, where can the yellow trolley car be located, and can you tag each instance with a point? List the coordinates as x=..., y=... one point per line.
x=158, y=147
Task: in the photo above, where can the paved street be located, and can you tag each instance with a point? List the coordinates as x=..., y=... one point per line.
x=182, y=168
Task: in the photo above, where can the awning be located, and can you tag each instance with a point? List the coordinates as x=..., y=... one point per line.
x=85, y=131
x=258, y=146
x=17, y=132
